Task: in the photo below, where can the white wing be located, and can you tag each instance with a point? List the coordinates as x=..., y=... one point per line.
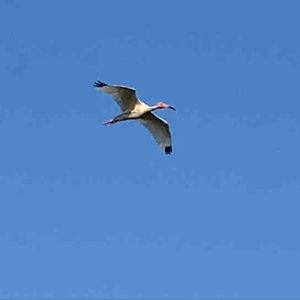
x=159, y=129
x=124, y=96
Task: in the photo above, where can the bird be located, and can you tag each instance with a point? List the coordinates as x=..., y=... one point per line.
x=133, y=108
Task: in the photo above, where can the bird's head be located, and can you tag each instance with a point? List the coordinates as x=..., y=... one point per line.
x=161, y=105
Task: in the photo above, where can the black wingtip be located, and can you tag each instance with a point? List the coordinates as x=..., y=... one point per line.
x=99, y=84
x=168, y=149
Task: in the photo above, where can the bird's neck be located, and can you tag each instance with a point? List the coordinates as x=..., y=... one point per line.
x=154, y=107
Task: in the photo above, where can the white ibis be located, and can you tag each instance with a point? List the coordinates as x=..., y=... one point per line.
x=134, y=109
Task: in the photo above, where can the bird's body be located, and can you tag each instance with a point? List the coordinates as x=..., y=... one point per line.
x=134, y=109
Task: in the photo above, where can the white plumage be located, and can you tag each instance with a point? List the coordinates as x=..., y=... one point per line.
x=133, y=108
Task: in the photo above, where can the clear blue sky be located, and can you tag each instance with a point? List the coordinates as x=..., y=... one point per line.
x=97, y=212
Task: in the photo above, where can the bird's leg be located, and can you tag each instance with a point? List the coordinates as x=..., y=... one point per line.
x=109, y=122
x=121, y=117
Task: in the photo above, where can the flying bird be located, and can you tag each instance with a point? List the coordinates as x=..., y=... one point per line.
x=134, y=109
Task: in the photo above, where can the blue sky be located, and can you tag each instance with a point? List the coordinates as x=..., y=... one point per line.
x=88, y=211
